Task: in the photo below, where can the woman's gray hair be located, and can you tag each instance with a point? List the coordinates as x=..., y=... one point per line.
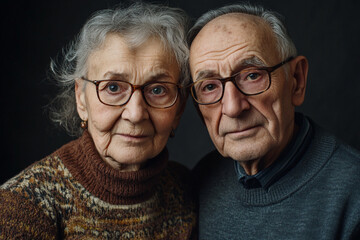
x=285, y=45
x=136, y=24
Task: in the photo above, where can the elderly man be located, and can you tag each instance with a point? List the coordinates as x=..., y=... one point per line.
x=275, y=174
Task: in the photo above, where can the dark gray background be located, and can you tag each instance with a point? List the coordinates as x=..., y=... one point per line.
x=32, y=32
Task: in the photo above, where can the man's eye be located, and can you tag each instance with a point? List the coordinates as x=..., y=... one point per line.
x=253, y=76
x=209, y=87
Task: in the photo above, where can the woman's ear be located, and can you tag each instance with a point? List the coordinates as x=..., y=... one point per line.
x=80, y=99
x=299, y=71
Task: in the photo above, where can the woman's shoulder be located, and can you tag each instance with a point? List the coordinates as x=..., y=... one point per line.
x=45, y=175
x=38, y=174
x=22, y=218
x=39, y=184
x=26, y=201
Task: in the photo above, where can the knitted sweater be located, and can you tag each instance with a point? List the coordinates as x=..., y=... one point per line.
x=74, y=194
x=319, y=198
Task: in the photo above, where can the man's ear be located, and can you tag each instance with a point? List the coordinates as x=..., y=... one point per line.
x=80, y=99
x=299, y=71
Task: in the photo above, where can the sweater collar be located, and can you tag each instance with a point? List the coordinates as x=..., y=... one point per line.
x=111, y=185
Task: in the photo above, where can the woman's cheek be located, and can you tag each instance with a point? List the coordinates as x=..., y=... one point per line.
x=104, y=120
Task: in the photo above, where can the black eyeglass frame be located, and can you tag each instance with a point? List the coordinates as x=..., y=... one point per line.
x=269, y=70
x=133, y=89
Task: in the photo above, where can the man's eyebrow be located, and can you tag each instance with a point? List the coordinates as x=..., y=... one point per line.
x=250, y=62
x=205, y=74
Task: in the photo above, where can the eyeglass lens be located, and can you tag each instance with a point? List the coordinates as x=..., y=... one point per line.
x=157, y=94
x=249, y=81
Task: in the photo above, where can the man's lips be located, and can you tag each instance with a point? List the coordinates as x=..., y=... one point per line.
x=240, y=131
x=243, y=129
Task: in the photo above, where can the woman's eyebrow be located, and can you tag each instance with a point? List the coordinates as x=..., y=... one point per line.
x=116, y=75
x=156, y=76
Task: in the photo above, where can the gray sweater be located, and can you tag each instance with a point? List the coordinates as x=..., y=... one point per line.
x=319, y=198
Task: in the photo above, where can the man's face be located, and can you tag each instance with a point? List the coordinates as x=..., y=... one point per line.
x=244, y=128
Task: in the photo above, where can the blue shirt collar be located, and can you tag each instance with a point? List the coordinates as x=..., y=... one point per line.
x=284, y=163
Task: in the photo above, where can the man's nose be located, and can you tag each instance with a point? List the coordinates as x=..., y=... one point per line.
x=233, y=102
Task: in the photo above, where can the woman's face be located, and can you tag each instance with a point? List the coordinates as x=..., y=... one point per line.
x=127, y=136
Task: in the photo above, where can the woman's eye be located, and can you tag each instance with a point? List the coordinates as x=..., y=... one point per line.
x=158, y=90
x=113, y=88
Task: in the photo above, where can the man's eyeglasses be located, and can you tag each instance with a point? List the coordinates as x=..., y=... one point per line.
x=118, y=92
x=249, y=81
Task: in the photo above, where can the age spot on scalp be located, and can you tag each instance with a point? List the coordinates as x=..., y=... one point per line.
x=226, y=30
x=244, y=25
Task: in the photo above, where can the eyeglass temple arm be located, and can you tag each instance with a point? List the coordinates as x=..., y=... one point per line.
x=270, y=69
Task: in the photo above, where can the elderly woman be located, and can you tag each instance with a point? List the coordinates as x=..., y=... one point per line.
x=123, y=84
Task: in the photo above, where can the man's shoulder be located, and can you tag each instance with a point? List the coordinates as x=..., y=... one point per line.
x=345, y=161
x=342, y=160
x=339, y=148
x=348, y=152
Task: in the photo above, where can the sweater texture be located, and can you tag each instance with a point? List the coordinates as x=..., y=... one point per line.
x=74, y=194
x=318, y=198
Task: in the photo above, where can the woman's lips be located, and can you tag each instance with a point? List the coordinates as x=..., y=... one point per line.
x=133, y=137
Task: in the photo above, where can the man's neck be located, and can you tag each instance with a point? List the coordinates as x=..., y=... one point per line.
x=254, y=166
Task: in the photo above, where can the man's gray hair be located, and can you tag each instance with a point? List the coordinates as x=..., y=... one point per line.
x=136, y=24
x=286, y=47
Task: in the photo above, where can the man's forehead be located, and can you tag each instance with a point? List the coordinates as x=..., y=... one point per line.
x=233, y=33
x=234, y=27
x=228, y=22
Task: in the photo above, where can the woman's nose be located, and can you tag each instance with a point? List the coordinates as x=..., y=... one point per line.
x=136, y=109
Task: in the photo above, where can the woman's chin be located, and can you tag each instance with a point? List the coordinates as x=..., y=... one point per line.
x=128, y=160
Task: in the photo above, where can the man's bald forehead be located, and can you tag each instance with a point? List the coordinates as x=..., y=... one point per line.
x=243, y=19
x=225, y=24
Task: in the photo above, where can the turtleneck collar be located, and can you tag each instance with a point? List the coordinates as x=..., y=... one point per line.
x=111, y=185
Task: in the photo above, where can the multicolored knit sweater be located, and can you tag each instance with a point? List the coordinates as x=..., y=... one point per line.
x=74, y=194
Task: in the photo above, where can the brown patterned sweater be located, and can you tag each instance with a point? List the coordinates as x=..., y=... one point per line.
x=73, y=194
